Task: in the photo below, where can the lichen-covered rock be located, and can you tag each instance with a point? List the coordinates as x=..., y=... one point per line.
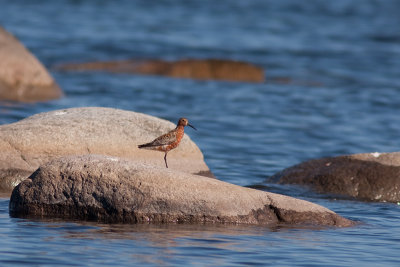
x=199, y=69
x=368, y=176
x=22, y=76
x=111, y=189
x=26, y=144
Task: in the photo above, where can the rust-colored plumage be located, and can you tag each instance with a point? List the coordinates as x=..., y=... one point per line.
x=170, y=140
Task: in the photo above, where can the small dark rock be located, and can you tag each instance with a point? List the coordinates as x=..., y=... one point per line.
x=368, y=177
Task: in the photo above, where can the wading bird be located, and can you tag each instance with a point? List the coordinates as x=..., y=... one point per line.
x=170, y=140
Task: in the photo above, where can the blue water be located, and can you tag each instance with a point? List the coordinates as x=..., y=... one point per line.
x=333, y=88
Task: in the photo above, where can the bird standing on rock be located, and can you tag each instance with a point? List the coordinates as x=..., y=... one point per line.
x=170, y=140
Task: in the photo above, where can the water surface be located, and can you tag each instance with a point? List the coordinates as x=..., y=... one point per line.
x=333, y=81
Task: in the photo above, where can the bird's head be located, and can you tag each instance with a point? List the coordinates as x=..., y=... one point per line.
x=184, y=122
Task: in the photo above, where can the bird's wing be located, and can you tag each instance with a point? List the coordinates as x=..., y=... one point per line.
x=164, y=139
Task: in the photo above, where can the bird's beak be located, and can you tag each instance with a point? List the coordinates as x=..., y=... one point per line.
x=192, y=126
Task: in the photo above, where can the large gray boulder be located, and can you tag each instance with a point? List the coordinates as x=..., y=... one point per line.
x=367, y=176
x=26, y=144
x=111, y=189
x=22, y=76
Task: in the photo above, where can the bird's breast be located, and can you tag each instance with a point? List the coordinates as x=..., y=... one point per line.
x=179, y=136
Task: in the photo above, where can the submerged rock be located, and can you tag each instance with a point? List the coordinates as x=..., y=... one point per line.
x=200, y=69
x=26, y=144
x=111, y=189
x=368, y=177
x=22, y=76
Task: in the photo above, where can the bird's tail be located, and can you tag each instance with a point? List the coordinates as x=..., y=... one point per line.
x=144, y=145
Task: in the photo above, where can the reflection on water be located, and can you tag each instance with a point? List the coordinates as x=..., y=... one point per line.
x=157, y=244
x=65, y=243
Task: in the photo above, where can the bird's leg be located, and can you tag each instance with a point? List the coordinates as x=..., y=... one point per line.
x=165, y=159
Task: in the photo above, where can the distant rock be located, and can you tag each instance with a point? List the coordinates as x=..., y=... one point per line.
x=368, y=177
x=113, y=190
x=26, y=144
x=22, y=76
x=200, y=69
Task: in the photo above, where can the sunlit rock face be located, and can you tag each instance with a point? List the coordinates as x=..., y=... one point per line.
x=28, y=143
x=22, y=76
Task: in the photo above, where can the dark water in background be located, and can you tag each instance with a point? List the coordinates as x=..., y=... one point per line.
x=343, y=62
